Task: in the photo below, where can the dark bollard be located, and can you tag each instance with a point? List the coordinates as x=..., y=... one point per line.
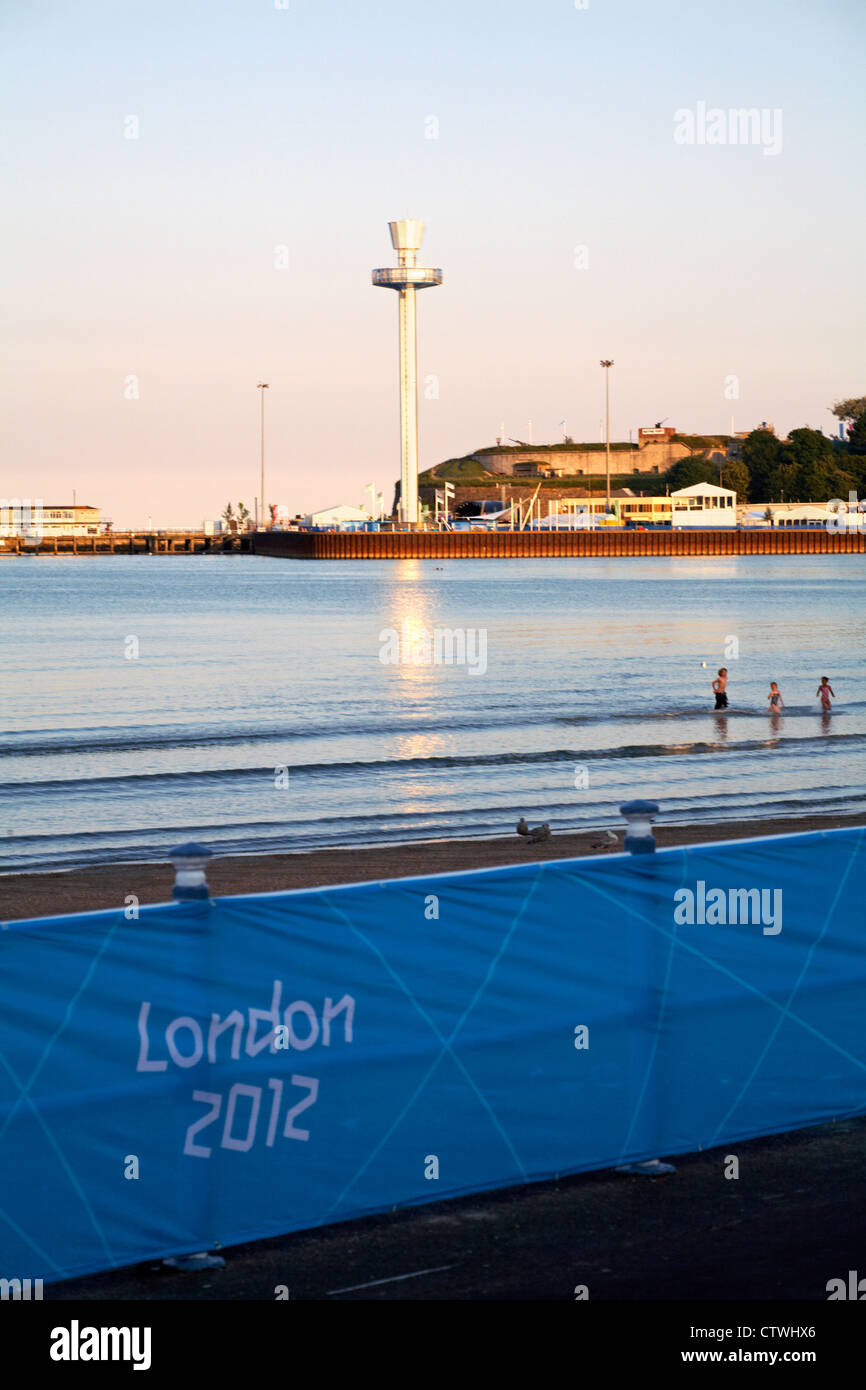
x=190, y=861
x=639, y=838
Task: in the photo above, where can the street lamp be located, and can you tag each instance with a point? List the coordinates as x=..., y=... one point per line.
x=607, y=363
x=263, y=386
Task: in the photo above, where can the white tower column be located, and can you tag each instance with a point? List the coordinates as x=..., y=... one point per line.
x=408, y=407
x=406, y=278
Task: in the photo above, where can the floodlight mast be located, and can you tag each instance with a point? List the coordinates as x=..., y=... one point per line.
x=407, y=277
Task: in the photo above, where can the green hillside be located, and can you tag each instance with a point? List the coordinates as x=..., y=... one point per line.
x=465, y=470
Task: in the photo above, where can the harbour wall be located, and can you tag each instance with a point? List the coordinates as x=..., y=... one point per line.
x=500, y=545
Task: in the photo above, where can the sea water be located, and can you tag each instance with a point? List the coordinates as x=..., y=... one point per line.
x=261, y=704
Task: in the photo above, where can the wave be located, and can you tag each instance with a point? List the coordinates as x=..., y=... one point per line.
x=453, y=761
x=256, y=837
x=28, y=743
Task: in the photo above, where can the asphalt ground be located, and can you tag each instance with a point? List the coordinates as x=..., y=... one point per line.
x=794, y=1219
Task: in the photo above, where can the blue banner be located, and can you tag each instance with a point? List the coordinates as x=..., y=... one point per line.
x=206, y=1074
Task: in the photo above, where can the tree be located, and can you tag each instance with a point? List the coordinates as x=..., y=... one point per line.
x=759, y=451
x=736, y=475
x=243, y=516
x=805, y=446
x=857, y=435
x=807, y=461
x=852, y=409
x=229, y=517
x=687, y=472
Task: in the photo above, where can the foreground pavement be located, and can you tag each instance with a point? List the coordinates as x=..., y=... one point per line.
x=791, y=1221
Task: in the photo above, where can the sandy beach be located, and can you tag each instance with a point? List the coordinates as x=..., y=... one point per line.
x=93, y=888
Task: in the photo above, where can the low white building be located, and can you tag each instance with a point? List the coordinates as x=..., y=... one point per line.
x=337, y=517
x=784, y=514
x=20, y=517
x=703, y=505
x=835, y=515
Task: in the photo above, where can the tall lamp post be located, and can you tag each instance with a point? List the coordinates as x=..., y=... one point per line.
x=607, y=363
x=263, y=386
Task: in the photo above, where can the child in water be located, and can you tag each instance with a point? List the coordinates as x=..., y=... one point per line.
x=825, y=690
x=720, y=687
x=776, y=701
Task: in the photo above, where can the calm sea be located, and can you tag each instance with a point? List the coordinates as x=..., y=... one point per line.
x=243, y=700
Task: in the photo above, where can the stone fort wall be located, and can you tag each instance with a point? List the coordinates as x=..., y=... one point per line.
x=652, y=458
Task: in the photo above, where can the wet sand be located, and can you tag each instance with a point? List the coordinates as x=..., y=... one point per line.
x=106, y=886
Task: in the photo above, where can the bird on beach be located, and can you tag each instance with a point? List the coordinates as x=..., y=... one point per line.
x=535, y=833
x=612, y=839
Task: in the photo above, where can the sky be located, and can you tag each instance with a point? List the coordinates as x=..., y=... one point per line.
x=196, y=194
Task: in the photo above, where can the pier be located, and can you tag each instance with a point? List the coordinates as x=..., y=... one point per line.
x=523, y=545
x=131, y=543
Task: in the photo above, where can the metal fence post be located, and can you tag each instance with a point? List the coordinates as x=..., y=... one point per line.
x=191, y=886
x=190, y=862
x=640, y=840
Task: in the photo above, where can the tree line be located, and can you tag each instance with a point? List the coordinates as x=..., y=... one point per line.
x=805, y=467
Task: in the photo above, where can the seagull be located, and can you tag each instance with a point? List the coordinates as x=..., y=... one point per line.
x=538, y=832
x=535, y=833
x=612, y=839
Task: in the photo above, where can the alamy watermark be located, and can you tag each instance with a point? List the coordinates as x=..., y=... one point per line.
x=845, y=517
x=20, y=1289
x=21, y=516
x=735, y=126
x=439, y=646
x=714, y=907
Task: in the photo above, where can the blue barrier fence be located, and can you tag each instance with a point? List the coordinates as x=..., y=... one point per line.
x=444, y=1035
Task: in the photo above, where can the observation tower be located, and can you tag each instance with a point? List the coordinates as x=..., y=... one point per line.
x=407, y=277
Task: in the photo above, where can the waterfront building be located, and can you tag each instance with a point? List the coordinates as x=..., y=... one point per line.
x=336, y=518
x=30, y=515
x=799, y=514
x=703, y=505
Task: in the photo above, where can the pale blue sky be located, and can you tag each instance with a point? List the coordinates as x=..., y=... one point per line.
x=306, y=127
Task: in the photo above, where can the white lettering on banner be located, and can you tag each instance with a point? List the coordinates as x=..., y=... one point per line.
x=317, y=1028
x=179, y=1058
x=181, y=1041
x=330, y=1012
x=215, y=1103
x=310, y=1014
x=273, y=1017
x=233, y=1020
x=143, y=1064
x=254, y=1096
